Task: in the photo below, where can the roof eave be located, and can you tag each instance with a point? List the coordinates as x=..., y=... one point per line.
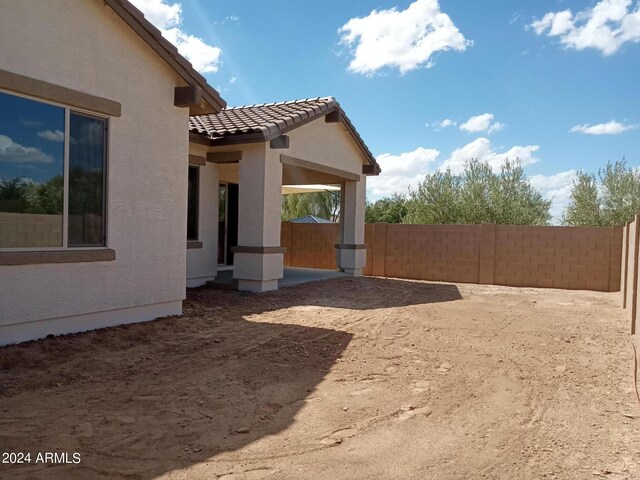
x=358, y=139
x=203, y=138
x=272, y=131
x=212, y=102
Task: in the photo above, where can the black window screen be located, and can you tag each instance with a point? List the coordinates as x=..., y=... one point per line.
x=192, y=203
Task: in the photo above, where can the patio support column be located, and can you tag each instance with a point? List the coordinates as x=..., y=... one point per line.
x=258, y=258
x=351, y=252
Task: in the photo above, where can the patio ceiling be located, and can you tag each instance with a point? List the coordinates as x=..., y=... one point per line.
x=291, y=189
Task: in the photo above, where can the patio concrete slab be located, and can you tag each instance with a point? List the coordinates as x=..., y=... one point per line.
x=292, y=276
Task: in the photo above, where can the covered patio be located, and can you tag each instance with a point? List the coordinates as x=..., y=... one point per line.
x=255, y=150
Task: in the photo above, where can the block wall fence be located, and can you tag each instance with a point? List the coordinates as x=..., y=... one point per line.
x=31, y=230
x=629, y=271
x=577, y=258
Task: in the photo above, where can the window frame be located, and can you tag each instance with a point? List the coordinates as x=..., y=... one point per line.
x=68, y=110
x=197, y=209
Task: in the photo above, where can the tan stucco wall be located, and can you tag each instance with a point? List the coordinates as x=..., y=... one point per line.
x=83, y=45
x=326, y=144
x=202, y=263
x=230, y=173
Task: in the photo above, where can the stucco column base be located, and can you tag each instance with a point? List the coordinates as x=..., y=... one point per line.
x=351, y=259
x=354, y=272
x=258, y=272
x=257, y=285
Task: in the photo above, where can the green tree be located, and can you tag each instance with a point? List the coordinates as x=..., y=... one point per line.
x=21, y=195
x=620, y=193
x=514, y=201
x=584, y=208
x=12, y=195
x=478, y=195
x=320, y=204
x=612, y=198
x=391, y=209
x=435, y=200
x=45, y=198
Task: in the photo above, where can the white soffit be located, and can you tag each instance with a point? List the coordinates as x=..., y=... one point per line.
x=289, y=189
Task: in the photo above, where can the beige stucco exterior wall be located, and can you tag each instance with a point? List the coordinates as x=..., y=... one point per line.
x=326, y=144
x=202, y=263
x=83, y=45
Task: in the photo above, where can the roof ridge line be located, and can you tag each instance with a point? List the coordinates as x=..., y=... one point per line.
x=285, y=102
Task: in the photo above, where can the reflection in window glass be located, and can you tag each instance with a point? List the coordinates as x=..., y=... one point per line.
x=31, y=173
x=86, y=180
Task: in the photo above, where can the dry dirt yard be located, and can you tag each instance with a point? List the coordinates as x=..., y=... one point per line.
x=345, y=379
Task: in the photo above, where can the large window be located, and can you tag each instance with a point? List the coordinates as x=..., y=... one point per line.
x=192, y=203
x=52, y=175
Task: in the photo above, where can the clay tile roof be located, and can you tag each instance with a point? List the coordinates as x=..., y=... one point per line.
x=263, y=122
x=166, y=50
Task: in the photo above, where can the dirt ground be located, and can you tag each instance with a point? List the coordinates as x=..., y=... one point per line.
x=346, y=379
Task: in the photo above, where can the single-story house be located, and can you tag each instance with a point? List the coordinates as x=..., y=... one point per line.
x=114, y=157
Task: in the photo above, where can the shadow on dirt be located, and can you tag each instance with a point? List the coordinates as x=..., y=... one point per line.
x=145, y=399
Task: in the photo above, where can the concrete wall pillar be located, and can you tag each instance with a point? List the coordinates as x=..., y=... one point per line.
x=351, y=251
x=486, y=253
x=632, y=271
x=379, y=246
x=258, y=258
x=624, y=271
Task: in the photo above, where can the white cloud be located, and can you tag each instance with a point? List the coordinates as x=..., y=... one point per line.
x=161, y=14
x=447, y=122
x=481, y=149
x=233, y=80
x=13, y=152
x=407, y=169
x=168, y=18
x=405, y=39
x=482, y=123
x=556, y=23
x=401, y=171
x=605, y=27
x=556, y=188
x=52, y=136
x=31, y=123
x=609, y=128
x=231, y=18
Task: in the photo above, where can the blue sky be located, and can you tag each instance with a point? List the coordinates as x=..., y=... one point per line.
x=31, y=140
x=431, y=84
